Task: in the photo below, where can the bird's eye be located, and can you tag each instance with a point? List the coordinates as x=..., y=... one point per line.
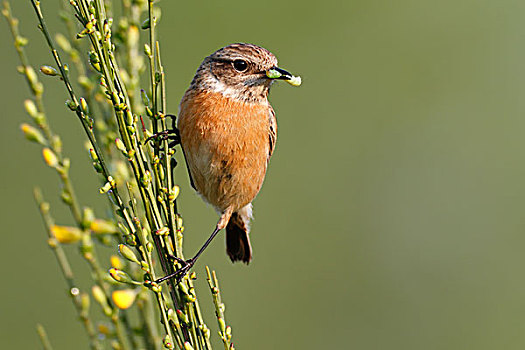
x=240, y=65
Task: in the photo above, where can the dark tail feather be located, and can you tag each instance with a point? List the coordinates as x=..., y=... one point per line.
x=237, y=241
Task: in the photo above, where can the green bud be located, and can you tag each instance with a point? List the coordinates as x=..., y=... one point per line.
x=31, y=108
x=85, y=82
x=107, y=29
x=167, y=342
x=120, y=107
x=65, y=196
x=102, y=227
x=48, y=70
x=84, y=303
x=182, y=317
x=72, y=105
x=205, y=330
x=146, y=179
x=32, y=134
x=149, y=247
x=130, y=118
x=93, y=155
x=174, y=193
x=100, y=298
x=147, y=50
x=121, y=276
x=146, y=24
x=93, y=57
x=128, y=253
x=89, y=26
x=120, y=146
x=50, y=157
x=115, y=98
x=21, y=41
x=105, y=188
x=63, y=42
x=96, y=66
x=164, y=231
x=56, y=142
x=31, y=75
x=130, y=240
x=84, y=106
x=222, y=325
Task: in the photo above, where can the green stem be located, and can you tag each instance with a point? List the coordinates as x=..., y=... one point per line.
x=43, y=337
x=65, y=267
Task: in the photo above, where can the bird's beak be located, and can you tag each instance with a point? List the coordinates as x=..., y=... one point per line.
x=278, y=73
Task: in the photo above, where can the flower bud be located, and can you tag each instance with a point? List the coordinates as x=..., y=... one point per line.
x=123, y=299
x=121, y=147
x=50, y=157
x=100, y=297
x=147, y=50
x=145, y=99
x=63, y=42
x=84, y=106
x=48, y=70
x=128, y=253
x=116, y=262
x=121, y=276
x=66, y=234
x=146, y=24
x=31, y=108
x=72, y=105
x=32, y=134
x=103, y=227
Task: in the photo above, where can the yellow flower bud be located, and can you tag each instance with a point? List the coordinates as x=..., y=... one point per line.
x=66, y=234
x=102, y=227
x=123, y=299
x=116, y=262
x=32, y=134
x=50, y=157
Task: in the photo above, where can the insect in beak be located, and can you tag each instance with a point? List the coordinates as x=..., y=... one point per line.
x=278, y=73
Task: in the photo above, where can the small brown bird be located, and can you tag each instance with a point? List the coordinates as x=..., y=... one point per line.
x=227, y=130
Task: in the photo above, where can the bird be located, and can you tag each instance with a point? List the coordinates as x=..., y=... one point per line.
x=227, y=131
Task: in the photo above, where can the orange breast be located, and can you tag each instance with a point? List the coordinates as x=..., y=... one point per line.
x=226, y=145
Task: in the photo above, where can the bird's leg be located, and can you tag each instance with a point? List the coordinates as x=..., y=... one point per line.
x=168, y=134
x=186, y=265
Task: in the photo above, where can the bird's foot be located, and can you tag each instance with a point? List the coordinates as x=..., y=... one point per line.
x=186, y=266
x=171, y=135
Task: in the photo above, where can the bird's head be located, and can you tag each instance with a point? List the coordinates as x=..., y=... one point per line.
x=241, y=71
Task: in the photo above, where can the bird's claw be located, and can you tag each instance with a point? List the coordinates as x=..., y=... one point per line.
x=169, y=134
x=186, y=266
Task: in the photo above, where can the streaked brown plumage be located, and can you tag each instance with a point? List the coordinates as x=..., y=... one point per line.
x=228, y=133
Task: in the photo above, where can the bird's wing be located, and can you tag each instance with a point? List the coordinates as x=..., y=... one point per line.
x=188, y=168
x=272, y=132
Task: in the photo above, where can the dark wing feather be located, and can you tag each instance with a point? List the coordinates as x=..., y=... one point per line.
x=272, y=135
x=188, y=168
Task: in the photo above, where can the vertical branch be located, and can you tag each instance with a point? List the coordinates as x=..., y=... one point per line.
x=65, y=267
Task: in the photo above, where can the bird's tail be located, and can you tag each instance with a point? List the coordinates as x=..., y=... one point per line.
x=237, y=239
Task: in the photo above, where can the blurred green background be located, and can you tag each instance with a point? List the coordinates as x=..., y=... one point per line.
x=392, y=216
